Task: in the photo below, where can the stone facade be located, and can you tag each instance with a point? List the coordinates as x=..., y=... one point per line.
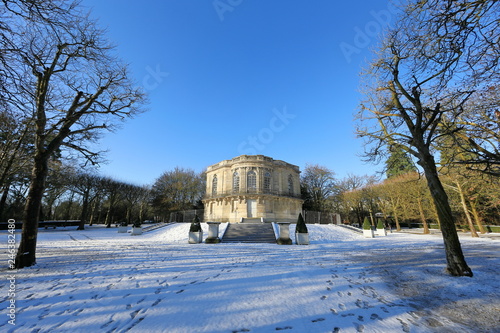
x=252, y=187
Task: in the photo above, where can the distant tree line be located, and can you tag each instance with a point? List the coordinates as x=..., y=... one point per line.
x=403, y=197
x=73, y=193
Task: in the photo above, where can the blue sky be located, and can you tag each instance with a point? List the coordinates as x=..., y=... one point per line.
x=232, y=77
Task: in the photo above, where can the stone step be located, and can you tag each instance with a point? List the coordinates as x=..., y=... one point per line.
x=251, y=220
x=249, y=233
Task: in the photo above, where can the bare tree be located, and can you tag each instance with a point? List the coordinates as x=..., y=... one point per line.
x=62, y=74
x=114, y=194
x=178, y=189
x=479, y=134
x=86, y=186
x=318, y=182
x=353, y=197
x=133, y=195
x=428, y=65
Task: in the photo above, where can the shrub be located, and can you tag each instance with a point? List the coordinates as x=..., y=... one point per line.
x=381, y=224
x=195, y=225
x=366, y=224
x=301, y=225
x=137, y=224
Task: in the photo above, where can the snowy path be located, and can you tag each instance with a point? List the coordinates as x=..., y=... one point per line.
x=101, y=281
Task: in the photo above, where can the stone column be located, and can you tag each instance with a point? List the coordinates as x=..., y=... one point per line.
x=284, y=234
x=213, y=233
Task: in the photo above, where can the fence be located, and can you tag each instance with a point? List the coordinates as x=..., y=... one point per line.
x=313, y=217
x=186, y=215
x=310, y=217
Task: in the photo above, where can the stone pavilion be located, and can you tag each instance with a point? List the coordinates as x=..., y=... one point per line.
x=252, y=188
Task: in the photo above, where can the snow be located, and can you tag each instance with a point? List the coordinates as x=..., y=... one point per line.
x=99, y=280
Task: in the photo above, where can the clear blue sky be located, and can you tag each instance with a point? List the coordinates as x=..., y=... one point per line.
x=232, y=77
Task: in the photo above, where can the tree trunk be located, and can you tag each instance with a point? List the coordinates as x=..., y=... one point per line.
x=26, y=253
x=422, y=217
x=85, y=208
x=107, y=221
x=3, y=201
x=466, y=210
x=456, y=264
x=475, y=213
x=141, y=212
x=129, y=214
x=396, y=218
x=67, y=214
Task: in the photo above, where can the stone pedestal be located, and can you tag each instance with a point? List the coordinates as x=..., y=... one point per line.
x=381, y=232
x=122, y=229
x=284, y=234
x=213, y=233
x=136, y=231
x=368, y=233
x=195, y=237
x=302, y=238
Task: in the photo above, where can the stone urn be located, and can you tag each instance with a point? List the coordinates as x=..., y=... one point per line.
x=284, y=233
x=213, y=233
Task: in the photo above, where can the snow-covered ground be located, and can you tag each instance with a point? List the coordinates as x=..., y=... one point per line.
x=98, y=280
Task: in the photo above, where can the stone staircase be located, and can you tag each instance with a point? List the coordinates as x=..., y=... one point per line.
x=357, y=230
x=249, y=233
x=156, y=226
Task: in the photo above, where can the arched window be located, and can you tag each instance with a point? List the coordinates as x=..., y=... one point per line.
x=267, y=182
x=214, y=185
x=290, y=185
x=251, y=181
x=236, y=182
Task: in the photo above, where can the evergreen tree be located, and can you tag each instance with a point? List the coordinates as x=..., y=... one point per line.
x=398, y=163
x=301, y=225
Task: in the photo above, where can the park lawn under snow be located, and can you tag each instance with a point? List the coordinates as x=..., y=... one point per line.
x=98, y=280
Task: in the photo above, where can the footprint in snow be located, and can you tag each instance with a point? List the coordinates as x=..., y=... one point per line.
x=359, y=328
x=134, y=313
x=284, y=328
x=317, y=320
x=405, y=326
